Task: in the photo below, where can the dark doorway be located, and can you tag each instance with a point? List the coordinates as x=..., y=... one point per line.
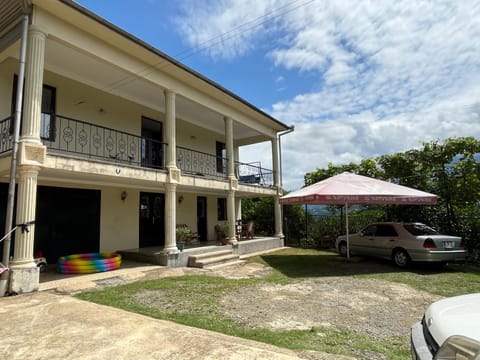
x=152, y=219
x=67, y=221
x=3, y=215
x=202, y=218
x=152, y=143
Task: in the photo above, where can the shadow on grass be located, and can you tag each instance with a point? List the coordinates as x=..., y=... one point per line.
x=312, y=263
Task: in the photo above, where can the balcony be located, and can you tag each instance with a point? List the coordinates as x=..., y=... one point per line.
x=78, y=138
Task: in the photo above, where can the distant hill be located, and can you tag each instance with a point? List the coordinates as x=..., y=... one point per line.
x=319, y=210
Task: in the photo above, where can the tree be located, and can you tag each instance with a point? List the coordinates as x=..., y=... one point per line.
x=261, y=211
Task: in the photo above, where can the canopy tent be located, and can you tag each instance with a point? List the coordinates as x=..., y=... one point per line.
x=351, y=189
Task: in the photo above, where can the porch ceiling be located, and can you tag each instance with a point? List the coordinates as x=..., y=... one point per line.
x=84, y=68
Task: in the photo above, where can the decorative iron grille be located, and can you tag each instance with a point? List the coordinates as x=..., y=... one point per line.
x=6, y=136
x=94, y=141
x=198, y=163
x=253, y=175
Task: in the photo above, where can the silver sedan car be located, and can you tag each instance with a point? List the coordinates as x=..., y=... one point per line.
x=403, y=243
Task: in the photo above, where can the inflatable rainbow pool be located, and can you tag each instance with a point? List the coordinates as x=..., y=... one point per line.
x=88, y=263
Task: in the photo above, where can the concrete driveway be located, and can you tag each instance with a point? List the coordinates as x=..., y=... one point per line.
x=51, y=324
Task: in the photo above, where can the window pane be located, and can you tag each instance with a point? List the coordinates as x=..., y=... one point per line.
x=221, y=155
x=45, y=126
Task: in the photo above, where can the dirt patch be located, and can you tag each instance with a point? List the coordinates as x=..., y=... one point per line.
x=373, y=307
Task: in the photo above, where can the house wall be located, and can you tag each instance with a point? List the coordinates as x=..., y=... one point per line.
x=187, y=212
x=119, y=220
x=197, y=138
x=7, y=69
x=211, y=216
x=82, y=102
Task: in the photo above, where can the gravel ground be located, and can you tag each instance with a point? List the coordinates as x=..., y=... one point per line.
x=378, y=308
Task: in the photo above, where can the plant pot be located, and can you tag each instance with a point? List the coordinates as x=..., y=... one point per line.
x=180, y=245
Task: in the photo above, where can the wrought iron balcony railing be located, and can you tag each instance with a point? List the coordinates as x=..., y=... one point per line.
x=77, y=137
x=94, y=141
x=6, y=136
x=200, y=163
x=253, y=174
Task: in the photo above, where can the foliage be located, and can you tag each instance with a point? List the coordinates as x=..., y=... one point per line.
x=182, y=233
x=261, y=211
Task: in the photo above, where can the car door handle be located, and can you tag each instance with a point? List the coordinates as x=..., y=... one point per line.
x=392, y=240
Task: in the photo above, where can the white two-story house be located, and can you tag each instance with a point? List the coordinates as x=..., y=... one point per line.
x=118, y=142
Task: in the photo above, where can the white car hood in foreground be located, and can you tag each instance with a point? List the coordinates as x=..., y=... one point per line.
x=459, y=315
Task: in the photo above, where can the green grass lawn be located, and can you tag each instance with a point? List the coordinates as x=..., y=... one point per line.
x=195, y=300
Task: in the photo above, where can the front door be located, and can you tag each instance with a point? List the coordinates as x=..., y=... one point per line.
x=152, y=219
x=202, y=218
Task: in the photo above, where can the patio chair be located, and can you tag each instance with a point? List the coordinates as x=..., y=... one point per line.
x=248, y=232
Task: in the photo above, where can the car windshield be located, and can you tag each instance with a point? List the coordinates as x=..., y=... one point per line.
x=420, y=229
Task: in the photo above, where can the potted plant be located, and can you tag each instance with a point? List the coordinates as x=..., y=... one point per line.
x=222, y=233
x=182, y=235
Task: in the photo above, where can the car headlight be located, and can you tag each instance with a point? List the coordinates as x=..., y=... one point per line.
x=458, y=347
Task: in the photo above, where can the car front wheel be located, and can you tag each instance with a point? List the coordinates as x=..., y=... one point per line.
x=401, y=258
x=342, y=249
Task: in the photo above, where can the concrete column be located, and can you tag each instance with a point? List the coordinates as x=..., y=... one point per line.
x=24, y=274
x=32, y=109
x=232, y=237
x=229, y=147
x=277, y=208
x=238, y=208
x=170, y=219
x=170, y=132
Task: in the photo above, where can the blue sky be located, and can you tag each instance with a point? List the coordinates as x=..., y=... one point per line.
x=358, y=79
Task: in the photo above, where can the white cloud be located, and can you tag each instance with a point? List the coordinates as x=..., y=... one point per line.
x=222, y=29
x=391, y=74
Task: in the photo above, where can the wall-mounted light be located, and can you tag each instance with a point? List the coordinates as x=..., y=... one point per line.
x=180, y=199
x=123, y=195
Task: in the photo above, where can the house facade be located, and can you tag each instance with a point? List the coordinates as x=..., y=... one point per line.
x=118, y=142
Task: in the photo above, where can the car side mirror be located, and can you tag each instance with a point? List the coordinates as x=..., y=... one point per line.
x=459, y=347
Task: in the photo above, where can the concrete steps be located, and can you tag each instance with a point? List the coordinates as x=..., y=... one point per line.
x=213, y=259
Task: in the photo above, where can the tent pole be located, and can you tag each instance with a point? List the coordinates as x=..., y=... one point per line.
x=306, y=221
x=346, y=225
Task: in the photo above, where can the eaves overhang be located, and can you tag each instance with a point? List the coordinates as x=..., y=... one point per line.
x=11, y=15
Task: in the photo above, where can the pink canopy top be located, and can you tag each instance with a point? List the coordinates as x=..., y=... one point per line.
x=352, y=189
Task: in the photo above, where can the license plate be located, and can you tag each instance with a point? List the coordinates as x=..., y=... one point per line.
x=448, y=244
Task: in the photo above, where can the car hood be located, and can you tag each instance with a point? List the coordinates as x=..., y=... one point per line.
x=459, y=315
